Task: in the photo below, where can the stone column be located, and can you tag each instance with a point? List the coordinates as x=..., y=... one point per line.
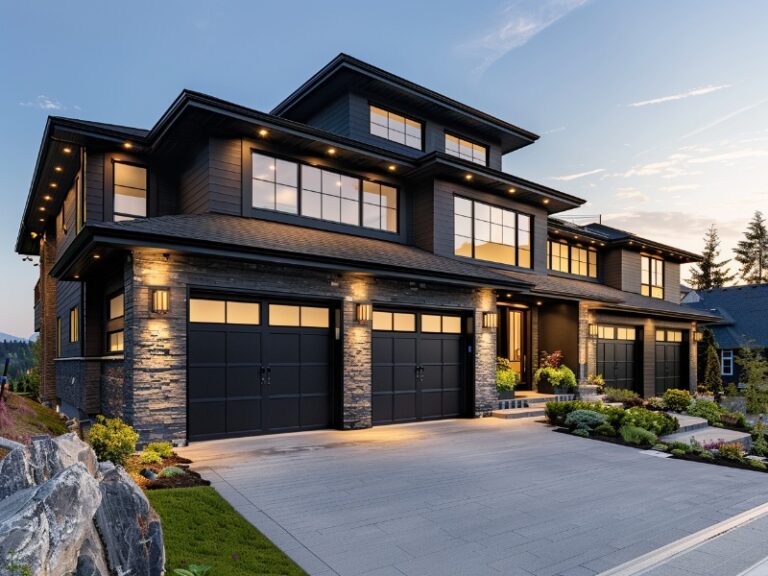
x=586, y=345
x=357, y=373
x=693, y=355
x=485, y=355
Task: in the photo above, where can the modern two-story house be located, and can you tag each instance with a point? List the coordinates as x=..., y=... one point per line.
x=355, y=257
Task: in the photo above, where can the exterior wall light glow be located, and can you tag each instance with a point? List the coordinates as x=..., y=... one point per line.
x=490, y=320
x=698, y=336
x=364, y=313
x=593, y=330
x=161, y=300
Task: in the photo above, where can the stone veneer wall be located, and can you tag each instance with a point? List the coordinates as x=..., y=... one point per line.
x=47, y=323
x=89, y=386
x=155, y=345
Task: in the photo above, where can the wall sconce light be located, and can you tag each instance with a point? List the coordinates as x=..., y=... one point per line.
x=490, y=320
x=364, y=313
x=698, y=336
x=593, y=330
x=161, y=300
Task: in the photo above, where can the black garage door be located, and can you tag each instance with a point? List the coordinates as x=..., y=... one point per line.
x=257, y=368
x=671, y=361
x=617, y=350
x=418, y=366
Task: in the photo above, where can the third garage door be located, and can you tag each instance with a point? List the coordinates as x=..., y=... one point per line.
x=418, y=366
x=671, y=361
x=617, y=350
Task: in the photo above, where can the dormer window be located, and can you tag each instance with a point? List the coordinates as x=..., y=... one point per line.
x=395, y=127
x=466, y=150
x=651, y=276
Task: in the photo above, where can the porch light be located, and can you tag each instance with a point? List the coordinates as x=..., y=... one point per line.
x=127, y=145
x=490, y=320
x=364, y=313
x=698, y=336
x=593, y=330
x=161, y=300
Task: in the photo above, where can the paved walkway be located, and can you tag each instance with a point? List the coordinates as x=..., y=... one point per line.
x=467, y=497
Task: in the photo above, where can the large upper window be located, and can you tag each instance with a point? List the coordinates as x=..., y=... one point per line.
x=571, y=258
x=491, y=233
x=325, y=194
x=130, y=191
x=651, y=276
x=465, y=149
x=395, y=127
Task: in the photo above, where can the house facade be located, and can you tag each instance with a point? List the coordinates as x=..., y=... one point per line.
x=742, y=312
x=355, y=257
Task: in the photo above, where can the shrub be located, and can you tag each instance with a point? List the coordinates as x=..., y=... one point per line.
x=581, y=432
x=657, y=422
x=707, y=456
x=562, y=377
x=557, y=412
x=753, y=368
x=506, y=378
x=661, y=447
x=149, y=457
x=678, y=452
x=759, y=444
x=605, y=429
x=597, y=380
x=638, y=436
x=732, y=391
x=655, y=403
x=735, y=419
x=171, y=471
x=676, y=445
x=112, y=439
x=732, y=451
x=677, y=400
x=627, y=397
x=163, y=449
x=553, y=360
x=705, y=409
x=757, y=464
x=584, y=419
x=713, y=445
x=712, y=378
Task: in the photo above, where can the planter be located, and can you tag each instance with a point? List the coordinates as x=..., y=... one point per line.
x=507, y=395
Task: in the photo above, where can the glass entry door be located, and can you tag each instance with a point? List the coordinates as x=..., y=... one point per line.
x=517, y=344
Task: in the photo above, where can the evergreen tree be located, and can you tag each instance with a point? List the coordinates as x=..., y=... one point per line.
x=707, y=340
x=712, y=378
x=710, y=273
x=752, y=252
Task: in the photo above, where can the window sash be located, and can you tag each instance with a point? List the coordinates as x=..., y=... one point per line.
x=571, y=259
x=466, y=150
x=74, y=325
x=726, y=362
x=130, y=184
x=652, y=277
x=395, y=127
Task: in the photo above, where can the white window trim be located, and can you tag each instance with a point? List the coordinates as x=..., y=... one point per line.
x=726, y=355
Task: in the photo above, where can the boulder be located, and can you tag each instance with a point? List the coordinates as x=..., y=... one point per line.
x=92, y=559
x=129, y=527
x=43, y=528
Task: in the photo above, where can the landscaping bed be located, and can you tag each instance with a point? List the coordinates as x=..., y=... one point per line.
x=188, y=479
x=21, y=418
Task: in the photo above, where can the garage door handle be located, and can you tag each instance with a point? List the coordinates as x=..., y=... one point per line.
x=420, y=373
x=269, y=375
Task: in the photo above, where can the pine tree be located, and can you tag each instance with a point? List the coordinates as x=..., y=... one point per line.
x=752, y=252
x=712, y=378
x=710, y=273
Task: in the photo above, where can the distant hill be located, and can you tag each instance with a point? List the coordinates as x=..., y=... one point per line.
x=8, y=338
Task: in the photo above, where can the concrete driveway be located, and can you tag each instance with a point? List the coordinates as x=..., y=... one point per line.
x=467, y=497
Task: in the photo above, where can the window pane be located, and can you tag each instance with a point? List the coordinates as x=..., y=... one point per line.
x=280, y=315
x=388, y=197
x=371, y=216
x=462, y=225
x=463, y=206
x=131, y=176
x=310, y=204
x=397, y=136
x=482, y=211
x=201, y=310
x=371, y=192
x=482, y=230
x=331, y=183
x=452, y=324
x=287, y=199
x=404, y=322
x=310, y=178
x=413, y=141
x=350, y=188
x=462, y=246
x=350, y=212
x=524, y=257
x=117, y=306
x=378, y=116
x=660, y=336
x=390, y=219
x=263, y=167
x=378, y=130
x=312, y=317
x=243, y=313
x=117, y=341
x=130, y=201
x=287, y=173
x=431, y=323
x=382, y=320
x=412, y=128
x=263, y=195
x=331, y=208
x=451, y=145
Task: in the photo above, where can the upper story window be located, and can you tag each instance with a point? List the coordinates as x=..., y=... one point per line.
x=726, y=362
x=324, y=194
x=571, y=258
x=491, y=233
x=395, y=127
x=74, y=324
x=130, y=191
x=466, y=150
x=651, y=276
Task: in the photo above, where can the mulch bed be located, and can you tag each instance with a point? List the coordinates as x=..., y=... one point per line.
x=3, y=453
x=191, y=478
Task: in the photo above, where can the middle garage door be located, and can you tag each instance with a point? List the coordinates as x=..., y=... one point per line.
x=418, y=366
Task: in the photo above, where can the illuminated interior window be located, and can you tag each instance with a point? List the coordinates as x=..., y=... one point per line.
x=117, y=306
x=242, y=313
x=117, y=341
x=395, y=127
x=211, y=311
x=652, y=276
x=275, y=184
x=130, y=191
x=461, y=148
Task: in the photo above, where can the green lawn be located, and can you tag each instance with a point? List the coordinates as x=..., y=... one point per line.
x=200, y=527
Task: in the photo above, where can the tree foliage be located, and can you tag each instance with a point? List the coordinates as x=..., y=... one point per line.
x=710, y=273
x=753, y=368
x=712, y=379
x=752, y=251
x=24, y=367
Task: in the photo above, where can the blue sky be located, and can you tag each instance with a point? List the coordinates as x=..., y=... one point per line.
x=655, y=111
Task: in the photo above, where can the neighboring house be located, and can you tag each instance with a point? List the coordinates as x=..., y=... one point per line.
x=743, y=312
x=356, y=257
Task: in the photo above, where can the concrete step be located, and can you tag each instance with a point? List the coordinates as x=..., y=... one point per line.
x=515, y=413
x=710, y=434
x=689, y=423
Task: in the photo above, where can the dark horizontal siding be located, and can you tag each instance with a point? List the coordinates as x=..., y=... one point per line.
x=94, y=187
x=193, y=184
x=68, y=295
x=334, y=117
x=225, y=176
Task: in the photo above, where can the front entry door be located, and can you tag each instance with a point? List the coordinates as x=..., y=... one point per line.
x=517, y=344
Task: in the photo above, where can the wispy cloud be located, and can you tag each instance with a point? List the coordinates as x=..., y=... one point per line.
x=725, y=118
x=681, y=96
x=44, y=103
x=631, y=194
x=554, y=130
x=519, y=21
x=678, y=187
x=569, y=177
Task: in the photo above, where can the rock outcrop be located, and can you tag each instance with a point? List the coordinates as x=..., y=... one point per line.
x=63, y=514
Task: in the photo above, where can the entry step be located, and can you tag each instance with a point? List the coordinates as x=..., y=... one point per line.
x=689, y=423
x=515, y=413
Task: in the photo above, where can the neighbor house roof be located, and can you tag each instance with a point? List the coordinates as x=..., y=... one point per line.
x=743, y=312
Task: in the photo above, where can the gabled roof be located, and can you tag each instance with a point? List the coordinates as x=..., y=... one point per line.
x=743, y=311
x=345, y=70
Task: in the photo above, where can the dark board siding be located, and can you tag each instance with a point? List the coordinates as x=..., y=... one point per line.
x=94, y=184
x=630, y=271
x=559, y=330
x=672, y=282
x=68, y=223
x=422, y=221
x=68, y=295
x=334, y=117
x=443, y=220
x=611, y=268
x=193, y=184
x=225, y=176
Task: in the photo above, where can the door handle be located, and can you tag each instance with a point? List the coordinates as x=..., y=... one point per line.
x=420, y=373
x=269, y=375
x=262, y=374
